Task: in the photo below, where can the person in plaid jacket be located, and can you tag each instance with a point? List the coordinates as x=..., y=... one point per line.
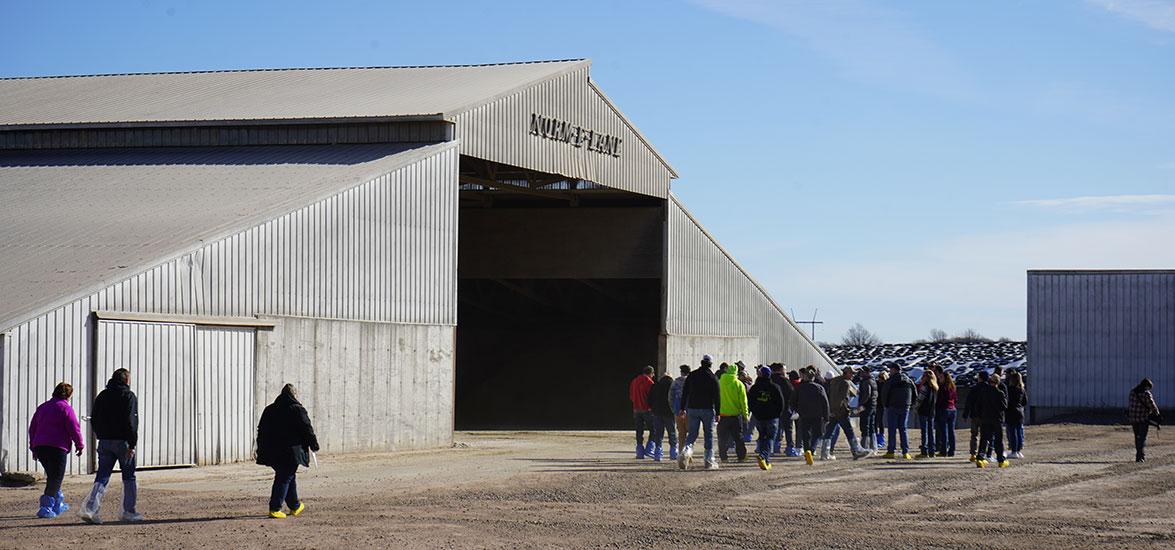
x=1140, y=412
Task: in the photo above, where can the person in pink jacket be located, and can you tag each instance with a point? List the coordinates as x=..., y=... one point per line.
x=53, y=429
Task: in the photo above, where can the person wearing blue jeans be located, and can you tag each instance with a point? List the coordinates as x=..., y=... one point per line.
x=944, y=415
x=285, y=487
x=700, y=400
x=285, y=439
x=927, y=405
x=115, y=421
x=897, y=396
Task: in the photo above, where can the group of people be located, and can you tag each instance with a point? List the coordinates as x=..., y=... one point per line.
x=285, y=438
x=801, y=412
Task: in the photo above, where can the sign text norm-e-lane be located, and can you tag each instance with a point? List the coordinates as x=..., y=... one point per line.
x=575, y=135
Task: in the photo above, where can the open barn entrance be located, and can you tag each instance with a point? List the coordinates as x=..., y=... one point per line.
x=559, y=295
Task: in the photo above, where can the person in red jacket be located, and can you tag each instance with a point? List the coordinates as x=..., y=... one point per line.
x=642, y=413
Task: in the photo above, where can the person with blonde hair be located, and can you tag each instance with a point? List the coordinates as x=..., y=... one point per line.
x=927, y=405
x=53, y=429
x=1014, y=419
x=944, y=416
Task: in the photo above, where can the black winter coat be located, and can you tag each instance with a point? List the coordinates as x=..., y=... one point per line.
x=765, y=399
x=116, y=414
x=990, y=405
x=927, y=398
x=812, y=401
x=867, y=398
x=659, y=397
x=785, y=387
x=700, y=390
x=1017, y=400
x=284, y=433
x=970, y=409
x=899, y=392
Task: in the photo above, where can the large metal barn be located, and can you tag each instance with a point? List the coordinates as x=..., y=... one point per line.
x=416, y=248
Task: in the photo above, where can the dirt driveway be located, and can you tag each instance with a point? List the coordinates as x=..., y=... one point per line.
x=1078, y=488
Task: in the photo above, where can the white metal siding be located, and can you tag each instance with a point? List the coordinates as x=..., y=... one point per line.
x=224, y=394
x=709, y=294
x=383, y=251
x=367, y=386
x=1092, y=336
x=159, y=356
x=500, y=131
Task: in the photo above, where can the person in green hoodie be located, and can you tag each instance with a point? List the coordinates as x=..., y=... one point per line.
x=732, y=414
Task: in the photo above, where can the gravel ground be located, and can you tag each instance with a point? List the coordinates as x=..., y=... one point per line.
x=1079, y=487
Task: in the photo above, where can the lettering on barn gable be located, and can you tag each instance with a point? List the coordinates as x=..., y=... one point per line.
x=574, y=135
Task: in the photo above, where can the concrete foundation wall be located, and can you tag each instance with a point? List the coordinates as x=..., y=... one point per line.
x=367, y=386
x=688, y=350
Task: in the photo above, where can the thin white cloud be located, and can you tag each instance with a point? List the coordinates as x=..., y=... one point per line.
x=1115, y=203
x=867, y=41
x=1156, y=14
x=977, y=281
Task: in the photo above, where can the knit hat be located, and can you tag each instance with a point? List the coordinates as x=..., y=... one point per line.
x=765, y=372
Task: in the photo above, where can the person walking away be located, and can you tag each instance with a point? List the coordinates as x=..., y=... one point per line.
x=899, y=395
x=1014, y=416
x=944, y=415
x=812, y=406
x=840, y=389
x=1141, y=410
x=642, y=415
x=284, y=441
x=115, y=421
x=732, y=414
x=678, y=409
x=52, y=430
x=663, y=418
x=785, y=422
x=992, y=405
x=882, y=378
x=700, y=400
x=767, y=404
x=971, y=411
x=867, y=409
x=927, y=406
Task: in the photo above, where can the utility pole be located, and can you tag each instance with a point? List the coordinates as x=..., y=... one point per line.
x=813, y=322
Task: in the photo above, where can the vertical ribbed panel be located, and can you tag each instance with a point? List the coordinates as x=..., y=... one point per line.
x=500, y=131
x=385, y=251
x=1092, y=336
x=159, y=356
x=367, y=386
x=224, y=394
x=709, y=294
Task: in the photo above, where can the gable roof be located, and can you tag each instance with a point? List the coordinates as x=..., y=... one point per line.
x=76, y=221
x=437, y=92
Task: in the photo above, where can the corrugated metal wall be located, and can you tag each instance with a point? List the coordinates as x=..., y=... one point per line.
x=500, y=131
x=349, y=373
x=383, y=251
x=225, y=419
x=160, y=358
x=1092, y=335
x=709, y=294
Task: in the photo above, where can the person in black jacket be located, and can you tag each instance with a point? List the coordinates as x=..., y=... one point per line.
x=927, y=406
x=700, y=402
x=766, y=402
x=812, y=405
x=1017, y=400
x=115, y=421
x=990, y=407
x=658, y=399
x=284, y=439
x=898, y=396
x=867, y=405
x=970, y=410
x=785, y=423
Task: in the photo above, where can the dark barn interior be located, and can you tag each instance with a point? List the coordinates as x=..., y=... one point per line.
x=559, y=299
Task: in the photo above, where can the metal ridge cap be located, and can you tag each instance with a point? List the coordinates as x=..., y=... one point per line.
x=220, y=122
x=279, y=69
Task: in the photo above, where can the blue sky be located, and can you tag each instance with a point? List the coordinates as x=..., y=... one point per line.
x=895, y=164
